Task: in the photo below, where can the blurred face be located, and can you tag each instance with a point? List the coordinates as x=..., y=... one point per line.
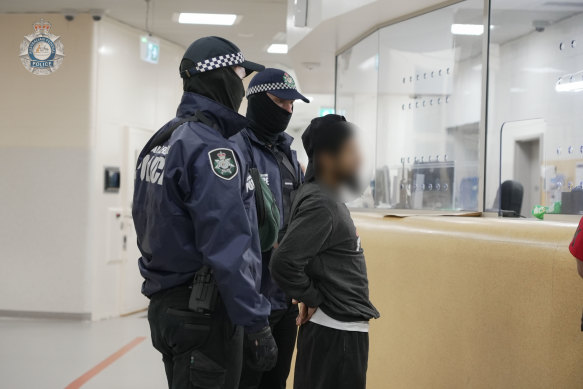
x=345, y=165
x=288, y=105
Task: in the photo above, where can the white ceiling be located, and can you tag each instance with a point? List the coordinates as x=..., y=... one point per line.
x=325, y=40
x=261, y=20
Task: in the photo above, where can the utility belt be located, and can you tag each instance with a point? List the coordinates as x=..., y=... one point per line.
x=205, y=292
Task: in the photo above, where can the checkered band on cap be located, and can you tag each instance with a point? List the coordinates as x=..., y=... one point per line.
x=220, y=62
x=268, y=87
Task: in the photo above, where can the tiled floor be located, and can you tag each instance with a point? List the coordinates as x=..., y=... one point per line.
x=51, y=354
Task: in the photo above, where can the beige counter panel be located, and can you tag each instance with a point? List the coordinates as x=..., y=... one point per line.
x=472, y=303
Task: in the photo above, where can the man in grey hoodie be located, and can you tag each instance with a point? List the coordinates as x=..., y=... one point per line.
x=321, y=264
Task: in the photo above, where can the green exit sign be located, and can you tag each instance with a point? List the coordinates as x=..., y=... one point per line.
x=149, y=49
x=326, y=111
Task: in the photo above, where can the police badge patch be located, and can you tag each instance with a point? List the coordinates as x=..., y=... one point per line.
x=41, y=53
x=223, y=163
x=289, y=81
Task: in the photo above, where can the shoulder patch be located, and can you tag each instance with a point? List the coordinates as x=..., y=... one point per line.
x=223, y=163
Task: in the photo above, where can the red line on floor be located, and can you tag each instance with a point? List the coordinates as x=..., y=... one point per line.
x=105, y=363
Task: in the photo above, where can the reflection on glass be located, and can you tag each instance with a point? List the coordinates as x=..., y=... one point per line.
x=536, y=85
x=441, y=135
x=415, y=88
x=356, y=98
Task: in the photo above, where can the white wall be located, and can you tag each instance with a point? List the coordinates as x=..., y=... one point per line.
x=44, y=160
x=57, y=133
x=129, y=93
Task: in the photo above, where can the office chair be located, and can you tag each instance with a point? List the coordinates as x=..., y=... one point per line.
x=510, y=196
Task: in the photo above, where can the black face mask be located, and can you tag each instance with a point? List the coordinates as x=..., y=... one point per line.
x=268, y=119
x=222, y=85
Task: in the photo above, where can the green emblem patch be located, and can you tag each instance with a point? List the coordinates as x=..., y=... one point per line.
x=223, y=163
x=289, y=81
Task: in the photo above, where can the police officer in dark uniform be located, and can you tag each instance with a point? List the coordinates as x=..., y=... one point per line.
x=196, y=221
x=271, y=95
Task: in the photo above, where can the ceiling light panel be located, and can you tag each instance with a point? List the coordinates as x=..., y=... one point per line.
x=207, y=19
x=277, y=48
x=467, y=29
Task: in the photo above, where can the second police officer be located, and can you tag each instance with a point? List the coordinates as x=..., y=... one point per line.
x=196, y=222
x=271, y=95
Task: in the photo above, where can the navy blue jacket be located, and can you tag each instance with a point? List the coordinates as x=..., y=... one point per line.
x=270, y=172
x=186, y=214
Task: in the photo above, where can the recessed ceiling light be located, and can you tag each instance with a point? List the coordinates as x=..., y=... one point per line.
x=212, y=19
x=277, y=48
x=467, y=29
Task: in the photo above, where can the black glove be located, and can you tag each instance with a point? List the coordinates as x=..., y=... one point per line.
x=261, y=350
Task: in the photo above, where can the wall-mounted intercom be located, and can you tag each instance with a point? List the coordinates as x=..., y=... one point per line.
x=111, y=179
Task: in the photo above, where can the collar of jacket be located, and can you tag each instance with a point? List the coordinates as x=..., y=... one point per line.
x=284, y=141
x=228, y=121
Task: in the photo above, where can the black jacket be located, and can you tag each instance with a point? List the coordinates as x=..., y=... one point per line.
x=267, y=163
x=191, y=208
x=320, y=261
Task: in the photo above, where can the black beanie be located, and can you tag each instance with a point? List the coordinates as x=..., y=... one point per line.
x=325, y=134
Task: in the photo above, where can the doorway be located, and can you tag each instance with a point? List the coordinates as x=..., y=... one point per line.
x=527, y=171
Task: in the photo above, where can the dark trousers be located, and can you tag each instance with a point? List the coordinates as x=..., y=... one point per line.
x=330, y=359
x=199, y=351
x=284, y=329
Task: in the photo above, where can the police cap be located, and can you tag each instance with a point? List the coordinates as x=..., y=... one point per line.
x=277, y=82
x=214, y=52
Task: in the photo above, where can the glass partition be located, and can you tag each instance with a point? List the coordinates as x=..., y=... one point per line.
x=416, y=89
x=356, y=98
x=429, y=110
x=535, y=135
